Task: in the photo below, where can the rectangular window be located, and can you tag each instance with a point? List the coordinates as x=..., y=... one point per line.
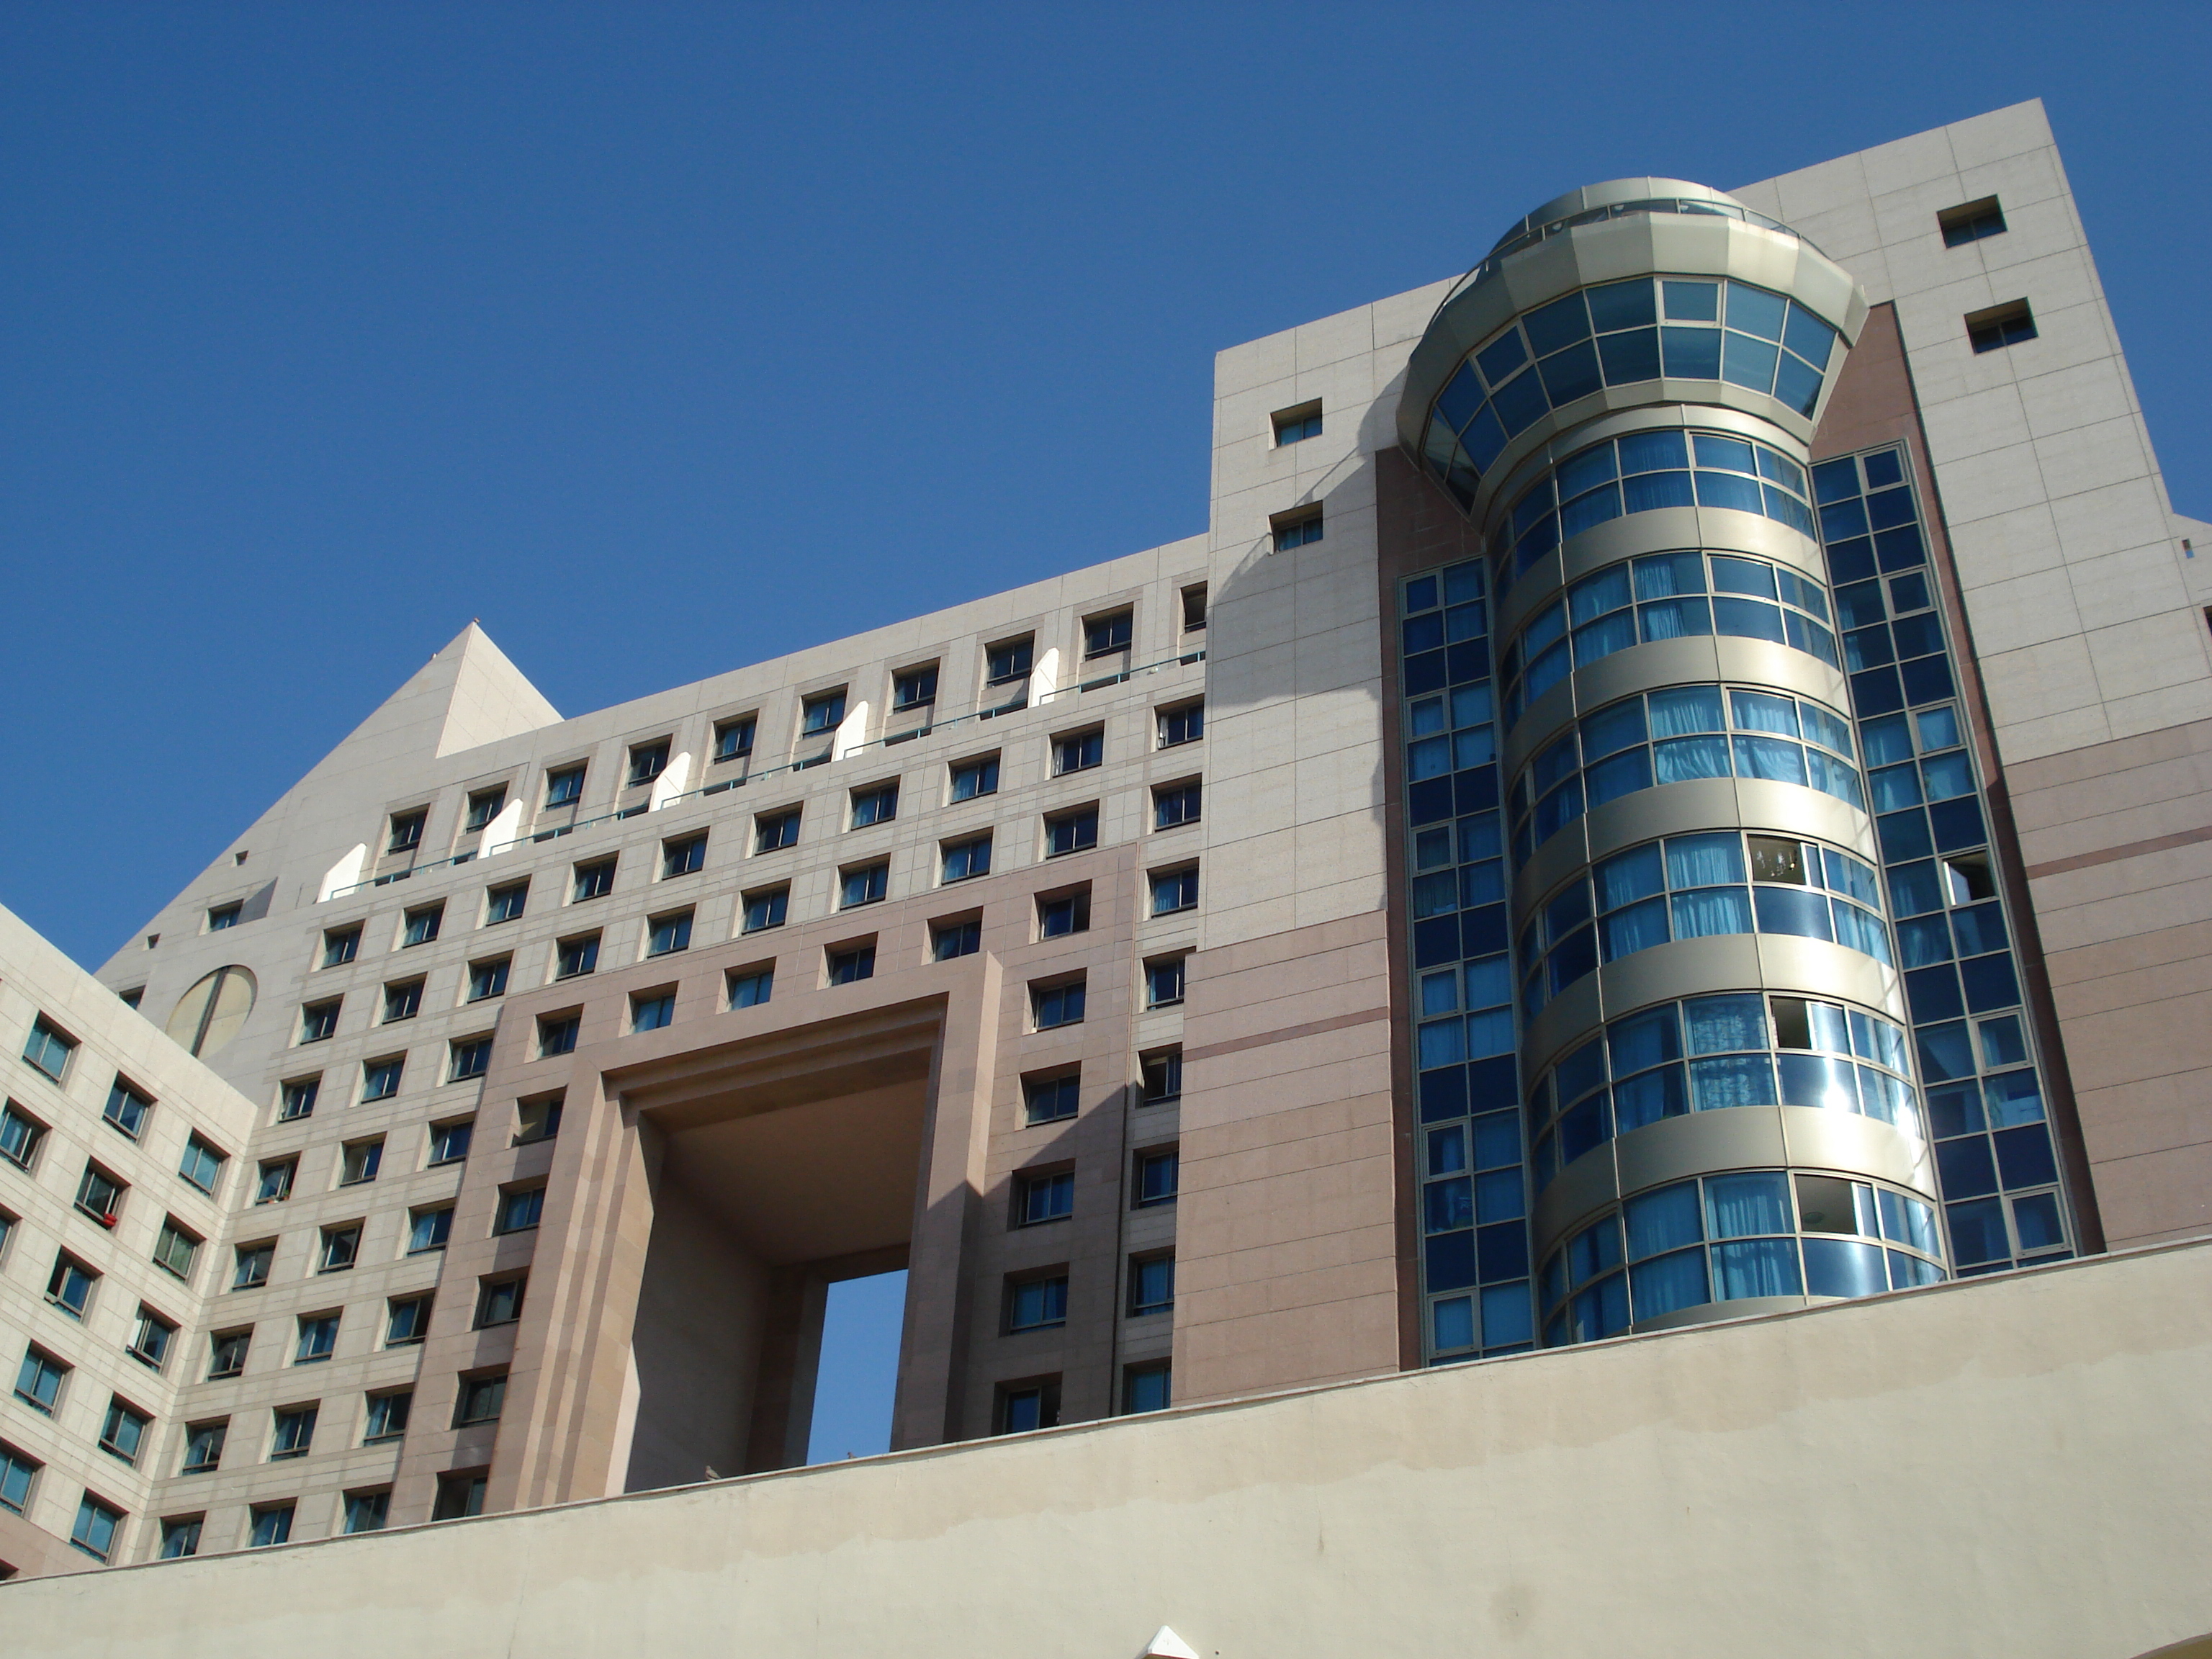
x=1109, y=633
x=100, y=1196
x=16, y=1473
x=380, y=1079
x=865, y=885
x=180, y=1536
x=1077, y=752
x=487, y=978
x=1042, y=1198
x=1175, y=805
x=127, y=1108
x=387, y=1415
x=973, y=779
x=1146, y=1387
x=970, y=856
x=294, y=1432
x=1174, y=891
x=299, y=1098
x=48, y=1047
x=481, y=1401
x=564, y=787
x=1294, y=426
x=772, y=830
x=575, y=955
x=765, y=908
x=407, y=1321
x=1164, y=981
x=823, y=712
x=484, y=806
x=1299, y=529
x=1970, y=221
x=39, y=1381
x=96, y=1527
x=70, y=1287
x=1151, y=1286
x=402, y=1000
x=499, y=1302
x=649, y=1011
x=1056, y=1004
x=1069, y=832
x=540, y=1120
x=506, y=904
x=271, y=1526
x=1051, y=1098
x=227, y=1353
x=427, y=1229
x=520, y=1209
x=359, y=1161
x=665, y=935
x=204, y=1444
x=459, y=1496
x=341, y=1249
x=685, y=856
x=202, y=1163
x=319, y=1021
x=648, y=761
x=1158, y=1174
x=913, y=688
x=751, y=986
x=1008, y=661
x=319, y=1339
x=1185, y=722
x=449, y=1142
x=365, y=1511
x=876, y=805
x=733, y=738
x=1026, y=1406
x=2008, y=324
x=341, y=945
x=470, y=1057
x=421, y=925
x=594, y=880
x=407, y=830
x=251, y=1271
x=951, y=939
x=1037, y=1304
x=123, y=1432
x=20, y=1135
x=176, y=1248
x=1194, y=609
x=852, y=963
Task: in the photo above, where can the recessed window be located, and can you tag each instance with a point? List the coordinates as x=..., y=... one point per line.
x=537, y=1119
x=380, y=1079
x=407, y=831
x=150, y=1338
x=299, y=1098
x=1970, y=221
x=1026, y=1406
x=481, y=1399
x=1194, y=609
x=360, y=1160
x=592, y=880
x=319, y=1021
x=668, y=934
x=366, y=1511
x=1175, y=805
x=1151, y=1286
x=224, y=916
x=1077, y=752
x=20, y=1135
x=1074, y=831
x=865, y=885
x=1042, y=1198
x=487, y=978
x=48, y=1047
x=471, y=1058
x=127, y=1108
x=204, y=1444
x=564, y=787
x=294, y=1432
x=766, y=907
x=650, y=1011
x=751, y=986
x=970, y=856
x=252, y=1268
x=1174, y=889
x=226, y=1352
x=648, y=761
x=823, y=712
x=122, y=1431
x=341, y=945
x=520, y=1210
x=449, y=1142
x=70, y=1285
x=96, y=1527
x=484, y=806
x=271, y=1525
x=683, y=857
x=100, y=1196
x=1184, y=722
x=506, y=904
x=1299, y=529
x=1158, y=1174
x=402, y=1000
x=459, y=1495
x=427, y=1229
x=852, y=963
x=1146, y=1387
x=1055, y=1096
x=878, y=804
x=575, y=955
x=1295, y=425
x=1106, y=634
x=422, y=925
x=16, y=1473
x=181, y=1537
x=1037, y=1304
x=1008, y=661
x=275, y=1184
x=39, y=1381
x=407, y=1321
x=951, y=939
x=772, y=830
x=974, y=778
x=2008, y=324
x=1163, y=978
x=1060, y=914
x=913, y=688
x=176, y=1248
x=341, y=1249
x=499, y=1302
x=387, y=1415
x=1056, y=1004
x=733, y=738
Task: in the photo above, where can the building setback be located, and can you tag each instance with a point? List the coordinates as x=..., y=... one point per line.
x=1670, y=791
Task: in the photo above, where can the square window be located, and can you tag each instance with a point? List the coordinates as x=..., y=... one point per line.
x=772, y=830
x=48, y=1047
x=39, y=1381
x=380, y=1079
x=1970, y=221
x=481, y=1399
x=665, y=935
x=1060, y=914
x=751, y=986
x=537, y=1119
x=16, y=1473
x=484, y=805
x=1008, y=661
x=556, y=1035
x=1164, y=981
x=472, y=1058
x=202, y=1164
x=765, y=908
x=565, y=787
x=127, y=1108
x=387, y=1415
x=70, y=1287
x=402, y=1000
x=407, y=831
x=406, y=1320
x=865, y=885
x=271, y=1525
x=1194, y=609
x=1151, y=1286
x=366, y=1511
x=683, y=856
x=204, y=1443
x=227, y=1353
x=951, y=939
x=1042, y=1198
x=1185, y=722
x=648, y=761
x=913, y=688
x=181, y=1537
x=878, y=804
x=487, y=978
x=96, y=1527
x=298, y=1098
x=427, y=1229
x=1300, y=529
x=1056, y=1004
x=176, y=1248
x=276, y=1183
x=970, y=856
x=1026, y=1406
x=506, y=904
x=1075, y=831
x=1146, y=1387
x=359, y=1161
x=520, y=1209
x=1158, y=1174
x=823, y=712
x=733, y=738
x=1077, y=752
x=341, y=1249
x=460, y=1495
x=20, y=1135
x=576, y=955
x=1295, y=425
x=449, y=1142
x=318, y=1339
x=594, y=880
x=1051, y=1098
x=319, y=1021
x=122, y=1431
x=251, y=1270
x=1174, y=891
x=294, y=1432
x=224, y=916
x=650, y=1011
x=499, y=1302
x=341, y=945
x=421, y=925
x=1163, y=1076
x=100, y=1196
x=1108, y=632
x=973, y=779
x=852, y=963
x=2008, y=324
x=1037, y=1304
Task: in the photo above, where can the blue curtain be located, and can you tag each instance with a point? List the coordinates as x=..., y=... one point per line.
x=1769, y=759
x=1765, y=1266
x=1743, y=1205
x=2013, y=1099
x=1595, y=508
x=1895, y=788
x=1647, y=452
x=1490, y=1033
x=1847, y=875
x=1677, y=619
x=1749, y=619
x=1665, y=574
x=1705, y=860
x=1628, y=876
x=1684, y=758
x=1602, y=1309
x=1671, y=1282
x=1684, y=710
x=1643, y=1040
x=1757, y=711
x=1712, y=911
x=1665, y=1220
x=1638, y=927
x=1604, y=637
x=1738, y=1080
x=1546, y=671
x=1621, y=775
x=1720, y=1025
x=1441, y=1044
x=1595, y=596
x=1614, y=728
x=1823, y=728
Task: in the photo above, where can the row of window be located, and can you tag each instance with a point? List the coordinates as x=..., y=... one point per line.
x=1033, y=1402
x=1038, y=1301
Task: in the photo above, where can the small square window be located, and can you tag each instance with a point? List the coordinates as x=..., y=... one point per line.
x=1077, y=752
x=865, y=885
x=421, y=926
x=665, y=935
x=20, y=1135
x=1175, y=805
x=341, y=1249
x=151, y=1337
x=181, y=1537
x=973, y=779
x=1057, y=1005
x=39, y=1381
x=852, y=963
x=487, y=978
x=1182, y=723
x=823, y=712
x=226, y=1352
x=575, y=955
x=407, y=1321
x=366, y=1511
x=427, y=1229
x=275, y=1185
x=1103, y=635
x=1164, y=981
x=878, y=804
x=1146, y=1387
x=556, y=1035
x=176, y=1248
x=648, y=761
x=951, y=939
x=1970, y=221
x=319, y=1021
x=204, y=1444
x=1074, y=831
x=222, y=916
x=1049, y=1196
x=1295, y=425
x=733, y=738
x=407, y=831
x=2008, y=324
x=751, y=986
x=968, y=856
x=402, y=1000
x=70, y=1285
x=318, y=1339
x=481, y=1399
x=1194, y=609
x=16, y=1473
x=1037, y=1304
x=251, y=1271
x=360, y=1160
x=484, y=805
x=341, y=945
x=1299, y=529
x=380, y=1079
x=472, y=1058
x=683, y=856
x=461, y=1495
x=537, y=1119
x=650, y=1011
x=1053, y=1097
x=520, y=1209
x=1008, y=661
x=449, y=1142
x=499, y=1302
x=506, y=904
x=127, y=1107
x=1060, y=914
x=1157, y=1175
x=95, y=1528
x=913, y=688
x=299, y=1098
x=773, y=831
x=48, y=1047
x=387, y=1415
x=100, y=1196
x=766, y=907
x=592, y=880
x=123, y=1432
x=1026, y=1406
x=294, y=1434
x=565, y=787
x=1151, y=1286
x=1174, y=891
x=271, y=1526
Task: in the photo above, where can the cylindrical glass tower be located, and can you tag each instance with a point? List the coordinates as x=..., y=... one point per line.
x=1716, y=1087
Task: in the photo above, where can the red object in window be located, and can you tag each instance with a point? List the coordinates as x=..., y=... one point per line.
x=107, y=1221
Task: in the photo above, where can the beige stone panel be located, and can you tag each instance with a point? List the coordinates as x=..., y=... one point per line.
x=2038, y=681
x=1978, y=423
x=2023, y=611
x=2110, y=518
x=2068, y=400
x=2154, y=710
x=2155, y=1199
x=2148, y=654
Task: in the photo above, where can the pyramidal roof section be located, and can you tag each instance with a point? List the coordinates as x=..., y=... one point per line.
x=467, y=696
